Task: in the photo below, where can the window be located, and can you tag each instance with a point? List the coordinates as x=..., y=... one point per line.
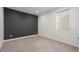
x=63, y=20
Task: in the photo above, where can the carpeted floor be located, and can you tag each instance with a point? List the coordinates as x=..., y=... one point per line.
x=37, y=44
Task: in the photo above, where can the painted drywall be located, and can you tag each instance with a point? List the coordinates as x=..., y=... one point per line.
x=19, y=24
x=1, y=26
x=47, y=27
x=77, y=25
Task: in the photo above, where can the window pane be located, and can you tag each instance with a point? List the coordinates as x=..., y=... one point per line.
x=63, y=20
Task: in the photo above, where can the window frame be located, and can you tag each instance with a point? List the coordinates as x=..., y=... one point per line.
x=57, y=19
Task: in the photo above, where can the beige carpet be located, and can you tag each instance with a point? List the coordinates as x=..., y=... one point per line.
x=37, y=44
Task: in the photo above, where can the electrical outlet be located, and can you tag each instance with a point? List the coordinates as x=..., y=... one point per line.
x=11, y=36
x=35, y=32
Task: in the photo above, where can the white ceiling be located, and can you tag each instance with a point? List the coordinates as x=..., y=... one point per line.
x=33, y=10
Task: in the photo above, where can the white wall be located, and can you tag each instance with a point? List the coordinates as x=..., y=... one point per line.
x=1, y=26
x=47, y=27
x=77, y=24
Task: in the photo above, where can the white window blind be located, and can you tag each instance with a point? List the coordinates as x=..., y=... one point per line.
x=63, y=20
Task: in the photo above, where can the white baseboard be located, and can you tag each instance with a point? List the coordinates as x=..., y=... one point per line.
x=58, y=40
x=20, y=38
x=1, y=43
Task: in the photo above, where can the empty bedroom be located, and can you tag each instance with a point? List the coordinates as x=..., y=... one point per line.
x=39, y=29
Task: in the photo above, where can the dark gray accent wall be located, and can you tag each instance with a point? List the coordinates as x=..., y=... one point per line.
x=19, y=24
